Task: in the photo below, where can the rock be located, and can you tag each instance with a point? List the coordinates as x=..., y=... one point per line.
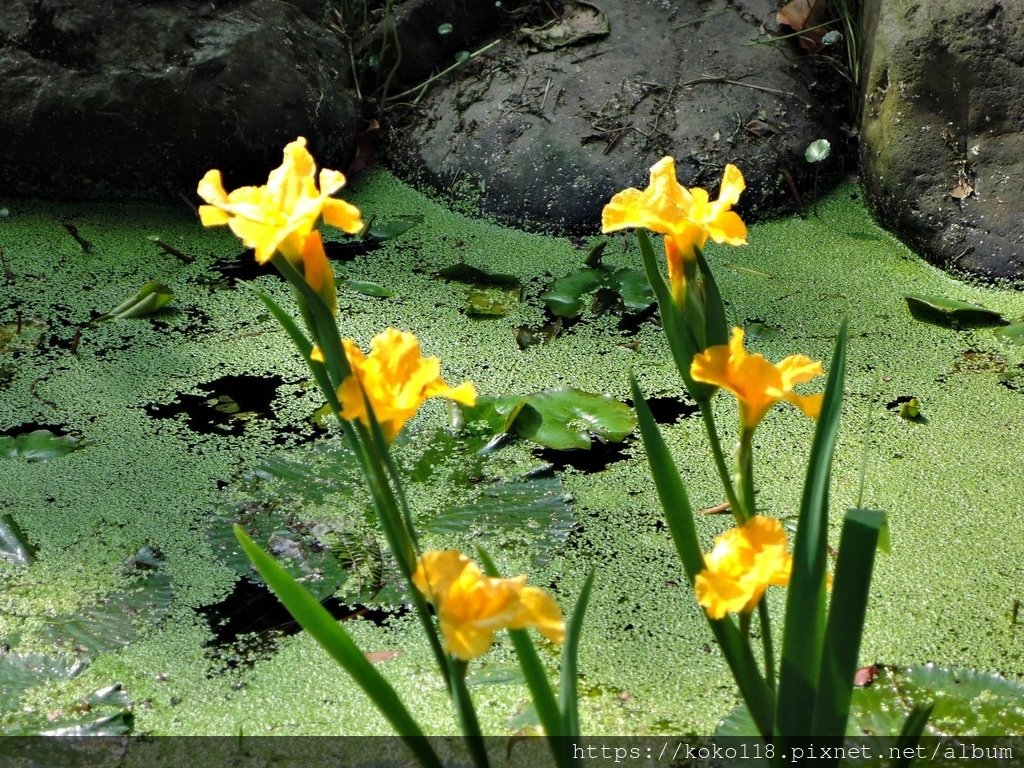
x=141, y=108
x=541, y=132
x=943, y=131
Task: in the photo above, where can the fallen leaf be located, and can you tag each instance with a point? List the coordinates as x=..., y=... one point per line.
x=807, y=16
x=376, y=657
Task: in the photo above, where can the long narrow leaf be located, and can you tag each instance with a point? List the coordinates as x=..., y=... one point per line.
x=315, y=619
x=717, y=328
x=910, y=733
x=804, y=631
x=680, y=339
x=305, y=347
x=569, y=674
x=536, y=678
x=325, y=329
x=674, y=500
x=467, y=713
x=679, y=515
x=857, y=546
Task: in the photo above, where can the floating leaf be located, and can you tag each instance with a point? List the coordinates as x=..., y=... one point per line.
x=150, y=298
x=14, y=548
x=566, y=295
x=1013, y=333
x=385, y=230
x=493, y=302
x=37, y=445
x=106, y=712
x=562, y=419
x=464, y=273
x=111, y=622
x=20, y=336
x=368, y=289
x=21, y=671
x=338, y=548
x=535, y=509
x=967, y=702
x=817, y=151
x=940, y=310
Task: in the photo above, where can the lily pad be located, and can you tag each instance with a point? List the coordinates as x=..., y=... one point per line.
x=940, y=310
x=21, y=671
x=150, y=298
x=106, y=712
x=967, y=703
x=338, y=550
x=389, y=228
x=368, y=289
x=1012, y=333
x=37, y=445
x=566, y=296
x=465, y=273
x=14, y=548
x=113, y=621
x=561, y=418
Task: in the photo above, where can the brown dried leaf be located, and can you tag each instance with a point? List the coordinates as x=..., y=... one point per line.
x=376, y=657
x=805, y=15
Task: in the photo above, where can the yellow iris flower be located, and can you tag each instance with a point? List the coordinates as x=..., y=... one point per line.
x=396, y=380
x=471, y=607
x=756, y=383
x=744, y=562
x=687, y=217
x=282, y=214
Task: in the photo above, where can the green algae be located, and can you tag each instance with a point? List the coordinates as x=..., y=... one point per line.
x=951, y=486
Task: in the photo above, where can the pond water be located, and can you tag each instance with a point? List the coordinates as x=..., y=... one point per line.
x=175, y=416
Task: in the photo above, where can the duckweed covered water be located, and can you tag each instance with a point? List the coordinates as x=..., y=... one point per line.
x=161, y=451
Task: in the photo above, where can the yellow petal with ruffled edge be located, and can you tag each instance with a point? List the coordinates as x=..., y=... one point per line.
x=756, y=383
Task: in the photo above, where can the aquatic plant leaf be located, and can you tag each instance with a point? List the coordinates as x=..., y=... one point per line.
x=342, y=553
x=537, y=510
x=37, y=445
x=564, y=419
x=940, y=310
x=113, y=621
x=464, y=273
x=150, y=298
x=106, y=712
x=566, y=296
x=389, y=228
x=1013, y=333
x=491, y=302
x=21, y=671
x=21, y=336
x=368, y=289
x=14, y=547
x=967, y=702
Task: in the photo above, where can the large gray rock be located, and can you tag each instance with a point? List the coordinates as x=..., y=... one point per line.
x=114, y=99
x=543, y=138
x=943, y=130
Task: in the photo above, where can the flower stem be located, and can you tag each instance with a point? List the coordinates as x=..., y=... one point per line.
x=745, y=471
x=766, y=639
x=738, y=509
x=466, y=712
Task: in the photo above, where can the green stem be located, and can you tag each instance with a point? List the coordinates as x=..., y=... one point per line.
x=738, y=509
x=745, y=471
